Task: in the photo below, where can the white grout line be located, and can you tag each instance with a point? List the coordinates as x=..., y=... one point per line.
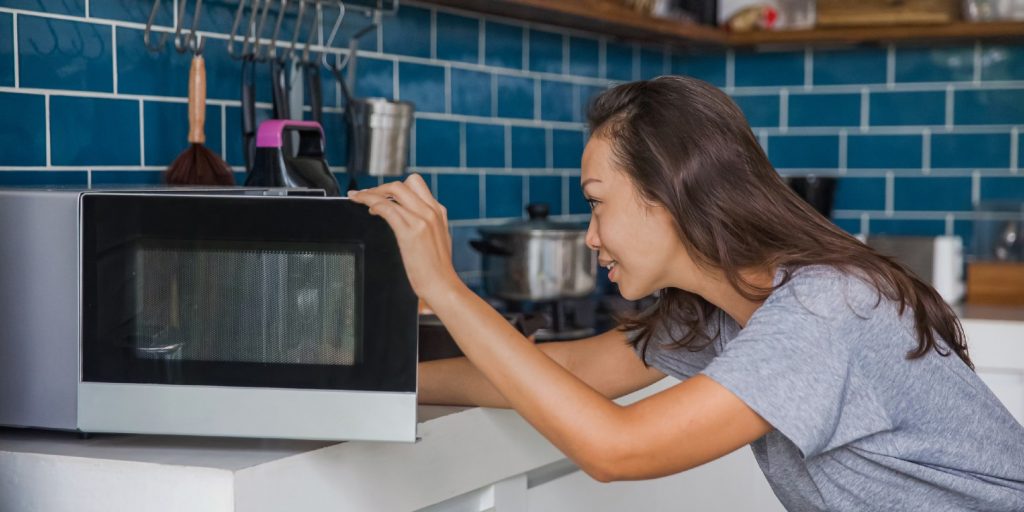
x=865, y=109
x=483, y=194
x=526, y=49
x=113, y=53
x=808, y=68
x=494, y=95
x=462, y=144
x=566, y=55
x=379, y=33
x=762, y=135
x=46, y=108
x=890, y=66
x=447, y=89
x=536, y=99
x=842, y=151
x=975, y=188
x=565, y=195
x=890, y=193
x=1014, y=150
x=949, y=107
x=395, y=90
x=17, y=62
x=88, y=178
x=142, y=135
x=482, y=58
x=412, y=145
x=433, y=34
x=480, y=41
x=784, y=110
x=926, y=151
x=864, y=223
x=224, y=132
x=86, y=8
x=508, y=146
x=526, y=190
x=949, y=224
x=577, y=108
x=549, y=148
x=730, y=71
x=976, y=78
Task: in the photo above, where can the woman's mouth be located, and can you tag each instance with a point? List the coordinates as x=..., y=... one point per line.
x=611, y=269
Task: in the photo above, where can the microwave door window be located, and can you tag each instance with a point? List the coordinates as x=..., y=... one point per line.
x=259, y=305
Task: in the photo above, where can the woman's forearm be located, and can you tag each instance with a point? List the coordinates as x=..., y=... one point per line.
x=457, y=381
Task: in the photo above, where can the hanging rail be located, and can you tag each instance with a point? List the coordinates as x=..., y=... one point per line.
x=256, y=28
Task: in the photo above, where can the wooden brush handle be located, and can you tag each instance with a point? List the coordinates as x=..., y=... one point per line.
x=197, y=100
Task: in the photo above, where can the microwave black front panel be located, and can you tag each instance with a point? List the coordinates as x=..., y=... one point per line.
x=251, y=292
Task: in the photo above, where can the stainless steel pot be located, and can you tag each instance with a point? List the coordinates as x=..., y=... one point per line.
x=536, y=260
x=378, y=136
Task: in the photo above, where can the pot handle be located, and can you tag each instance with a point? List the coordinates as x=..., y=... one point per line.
x=489, y=247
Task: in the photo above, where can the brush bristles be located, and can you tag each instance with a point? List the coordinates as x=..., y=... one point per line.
x=197, y=165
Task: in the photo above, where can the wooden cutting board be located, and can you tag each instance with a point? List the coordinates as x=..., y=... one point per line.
x=993, y=282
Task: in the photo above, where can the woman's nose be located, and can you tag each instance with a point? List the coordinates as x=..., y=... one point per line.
x=592, y=240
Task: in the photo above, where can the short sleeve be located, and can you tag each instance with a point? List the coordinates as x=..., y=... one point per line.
x=790, y=366
x=663, y=354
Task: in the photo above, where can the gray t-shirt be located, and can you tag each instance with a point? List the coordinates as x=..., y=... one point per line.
x=857, y=426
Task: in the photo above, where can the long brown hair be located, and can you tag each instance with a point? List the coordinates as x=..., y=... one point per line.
x=688, y=147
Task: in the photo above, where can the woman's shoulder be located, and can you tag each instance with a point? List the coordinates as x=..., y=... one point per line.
x=827, y=291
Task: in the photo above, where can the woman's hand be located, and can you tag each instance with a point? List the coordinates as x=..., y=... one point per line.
x=420, y=225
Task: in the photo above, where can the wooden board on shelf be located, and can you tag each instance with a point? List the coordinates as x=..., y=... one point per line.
x=844, y=13
x=950, y=32
x=614, y=19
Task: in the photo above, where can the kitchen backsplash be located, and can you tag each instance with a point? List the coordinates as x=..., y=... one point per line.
x=917, y=135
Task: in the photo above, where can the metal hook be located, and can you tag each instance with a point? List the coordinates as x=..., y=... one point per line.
x=257, y=50
x=234, y=29
x=146, y=36
x=315, y=28
x=330, y=38
x=250, y=27
x=179, y=43
x=272, y=47
x=296, y=30
x=195, y=41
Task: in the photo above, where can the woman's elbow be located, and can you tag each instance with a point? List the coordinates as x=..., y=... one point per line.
x=602, y=473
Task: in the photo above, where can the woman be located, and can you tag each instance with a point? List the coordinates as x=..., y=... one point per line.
x=848, y=376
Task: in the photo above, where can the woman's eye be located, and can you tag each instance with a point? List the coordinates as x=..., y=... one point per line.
x=592, y=202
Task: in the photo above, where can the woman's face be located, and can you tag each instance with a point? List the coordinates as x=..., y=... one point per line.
x=637, y=240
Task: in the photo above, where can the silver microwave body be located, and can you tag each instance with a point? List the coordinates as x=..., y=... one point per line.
x=42, y=350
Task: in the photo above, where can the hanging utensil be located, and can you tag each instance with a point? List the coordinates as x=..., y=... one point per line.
x=197, y=165
x=378, y=128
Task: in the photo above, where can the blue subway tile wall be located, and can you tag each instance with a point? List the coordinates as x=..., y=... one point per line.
x=916, y=135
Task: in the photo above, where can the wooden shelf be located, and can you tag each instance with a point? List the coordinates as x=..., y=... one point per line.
x=881, y=34
x=597, y=16
x=619, y=21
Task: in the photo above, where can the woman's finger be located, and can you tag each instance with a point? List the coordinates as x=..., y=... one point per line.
x=387, y=209
x=406, y=197
x=417, y=184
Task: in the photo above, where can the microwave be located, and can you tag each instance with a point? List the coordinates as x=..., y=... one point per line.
x=224, y=312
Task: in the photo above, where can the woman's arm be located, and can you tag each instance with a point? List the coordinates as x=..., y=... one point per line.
x=604, y=362
x=685, y=426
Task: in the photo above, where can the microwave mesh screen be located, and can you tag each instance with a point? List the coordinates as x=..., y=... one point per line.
x=272, y=304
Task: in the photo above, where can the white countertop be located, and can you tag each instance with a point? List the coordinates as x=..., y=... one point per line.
x=460, y=450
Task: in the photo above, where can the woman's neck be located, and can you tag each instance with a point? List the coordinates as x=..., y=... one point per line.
x=718, y=291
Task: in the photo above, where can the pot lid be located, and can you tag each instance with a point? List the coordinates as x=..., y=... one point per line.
x=538, y=223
